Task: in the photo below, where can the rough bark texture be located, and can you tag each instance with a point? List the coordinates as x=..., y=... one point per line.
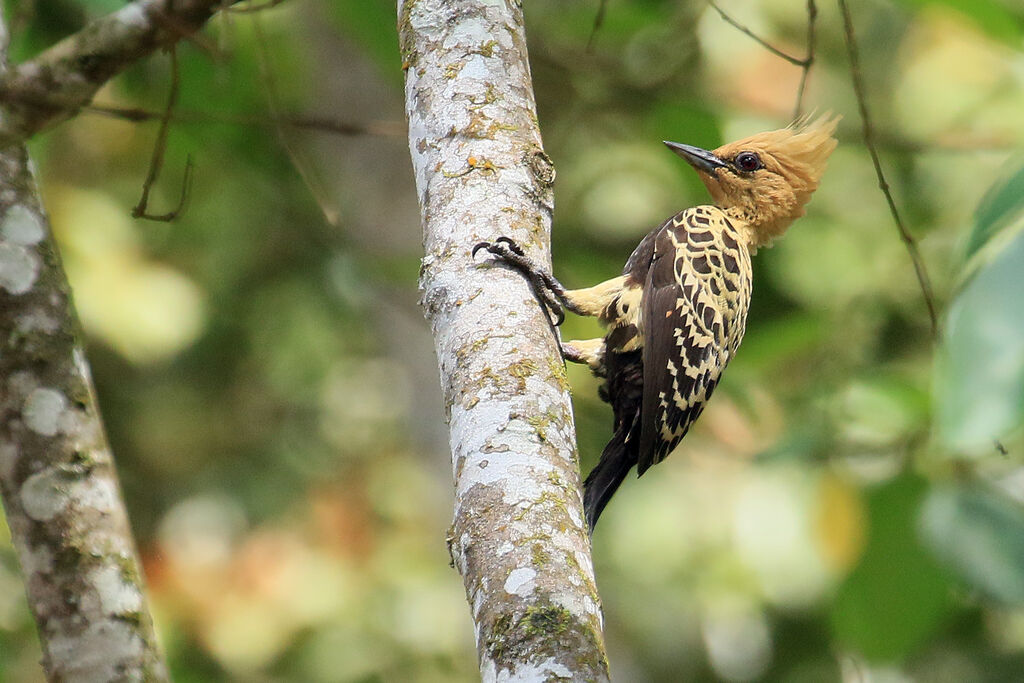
x=56, y=84
x=60, y=491
x=518, y=537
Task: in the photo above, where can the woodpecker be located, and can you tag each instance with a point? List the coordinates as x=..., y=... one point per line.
x=677, y=314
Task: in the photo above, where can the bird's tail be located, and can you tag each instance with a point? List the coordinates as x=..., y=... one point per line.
x=604, y=480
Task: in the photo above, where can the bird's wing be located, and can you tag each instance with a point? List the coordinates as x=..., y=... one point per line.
x=687, y=342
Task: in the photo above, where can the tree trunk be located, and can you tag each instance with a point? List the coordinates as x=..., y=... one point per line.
x=60, y=491
x=518, y=536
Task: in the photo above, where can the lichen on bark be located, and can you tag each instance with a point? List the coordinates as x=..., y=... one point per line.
x=60, y=492
x=518, y=537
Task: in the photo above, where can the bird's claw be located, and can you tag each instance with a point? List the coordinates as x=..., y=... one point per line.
x=506, y=250
x=477, y=247
x=513, y=247
x=554, y=310
x=509, y=252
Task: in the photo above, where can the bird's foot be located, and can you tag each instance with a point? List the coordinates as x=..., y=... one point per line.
x=589, y=352
x=572, y=354
x=546, y=288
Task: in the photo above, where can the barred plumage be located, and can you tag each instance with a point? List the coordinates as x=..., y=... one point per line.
x=678, y=312
x=695, y=310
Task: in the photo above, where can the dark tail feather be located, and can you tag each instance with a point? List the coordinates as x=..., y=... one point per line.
x=604, y=480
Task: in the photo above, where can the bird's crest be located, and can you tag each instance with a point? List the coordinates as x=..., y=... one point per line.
x=765, y=180
x=802, y=148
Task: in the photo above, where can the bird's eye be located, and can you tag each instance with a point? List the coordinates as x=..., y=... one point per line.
x=748, y=161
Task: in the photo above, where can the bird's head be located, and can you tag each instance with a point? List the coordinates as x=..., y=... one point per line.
x=765, y=180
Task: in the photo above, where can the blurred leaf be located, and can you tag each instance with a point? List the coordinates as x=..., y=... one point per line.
x=981, y=535
x=882, y=409
x=765, y=348
x=840, y=525
x=991, y=16
x=980, y=386
x=295, y=338
x=897, y=596
x=52, y=20
x=686, y=121
x=143, y=309
x=99, y=8
x=371, y=23
x=1003, y=203
x=573, y=22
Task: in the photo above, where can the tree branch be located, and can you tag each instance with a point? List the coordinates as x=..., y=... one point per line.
x=805, y=68
x=301, y=122
x=518, y=536
x=869, y=141
x=602, y=7
x=60, y=491
x=803, y=63
x=156, y=162
x=55, y=85
x=307, y=172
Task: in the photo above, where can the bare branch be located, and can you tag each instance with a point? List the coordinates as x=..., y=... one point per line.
x=157, y=162
x=250, y=7
x=869, y=142
x=518, y=536
x=55, y=85
x=804, y=63
x=328, y=207
x=602, y=7
x=311, y=123
x=805, y=68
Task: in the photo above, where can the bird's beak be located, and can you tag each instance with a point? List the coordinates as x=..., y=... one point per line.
x=700, y=159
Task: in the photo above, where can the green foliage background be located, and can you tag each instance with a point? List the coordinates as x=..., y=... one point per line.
x=848, y=508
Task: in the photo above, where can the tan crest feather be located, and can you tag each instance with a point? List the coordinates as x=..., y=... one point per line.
x=794, y=161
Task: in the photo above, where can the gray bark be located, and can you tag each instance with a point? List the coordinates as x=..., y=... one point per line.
x=60, y=491
x=518, y=536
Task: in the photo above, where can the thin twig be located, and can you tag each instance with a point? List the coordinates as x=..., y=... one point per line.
x=598, y=21
x=250, y=7
x=327, y=207
x=805, y=68
x=869, y=142
x=173, y=24
x=313, y=123
x=803, y=63
x=159, y=149
x=387, y=128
